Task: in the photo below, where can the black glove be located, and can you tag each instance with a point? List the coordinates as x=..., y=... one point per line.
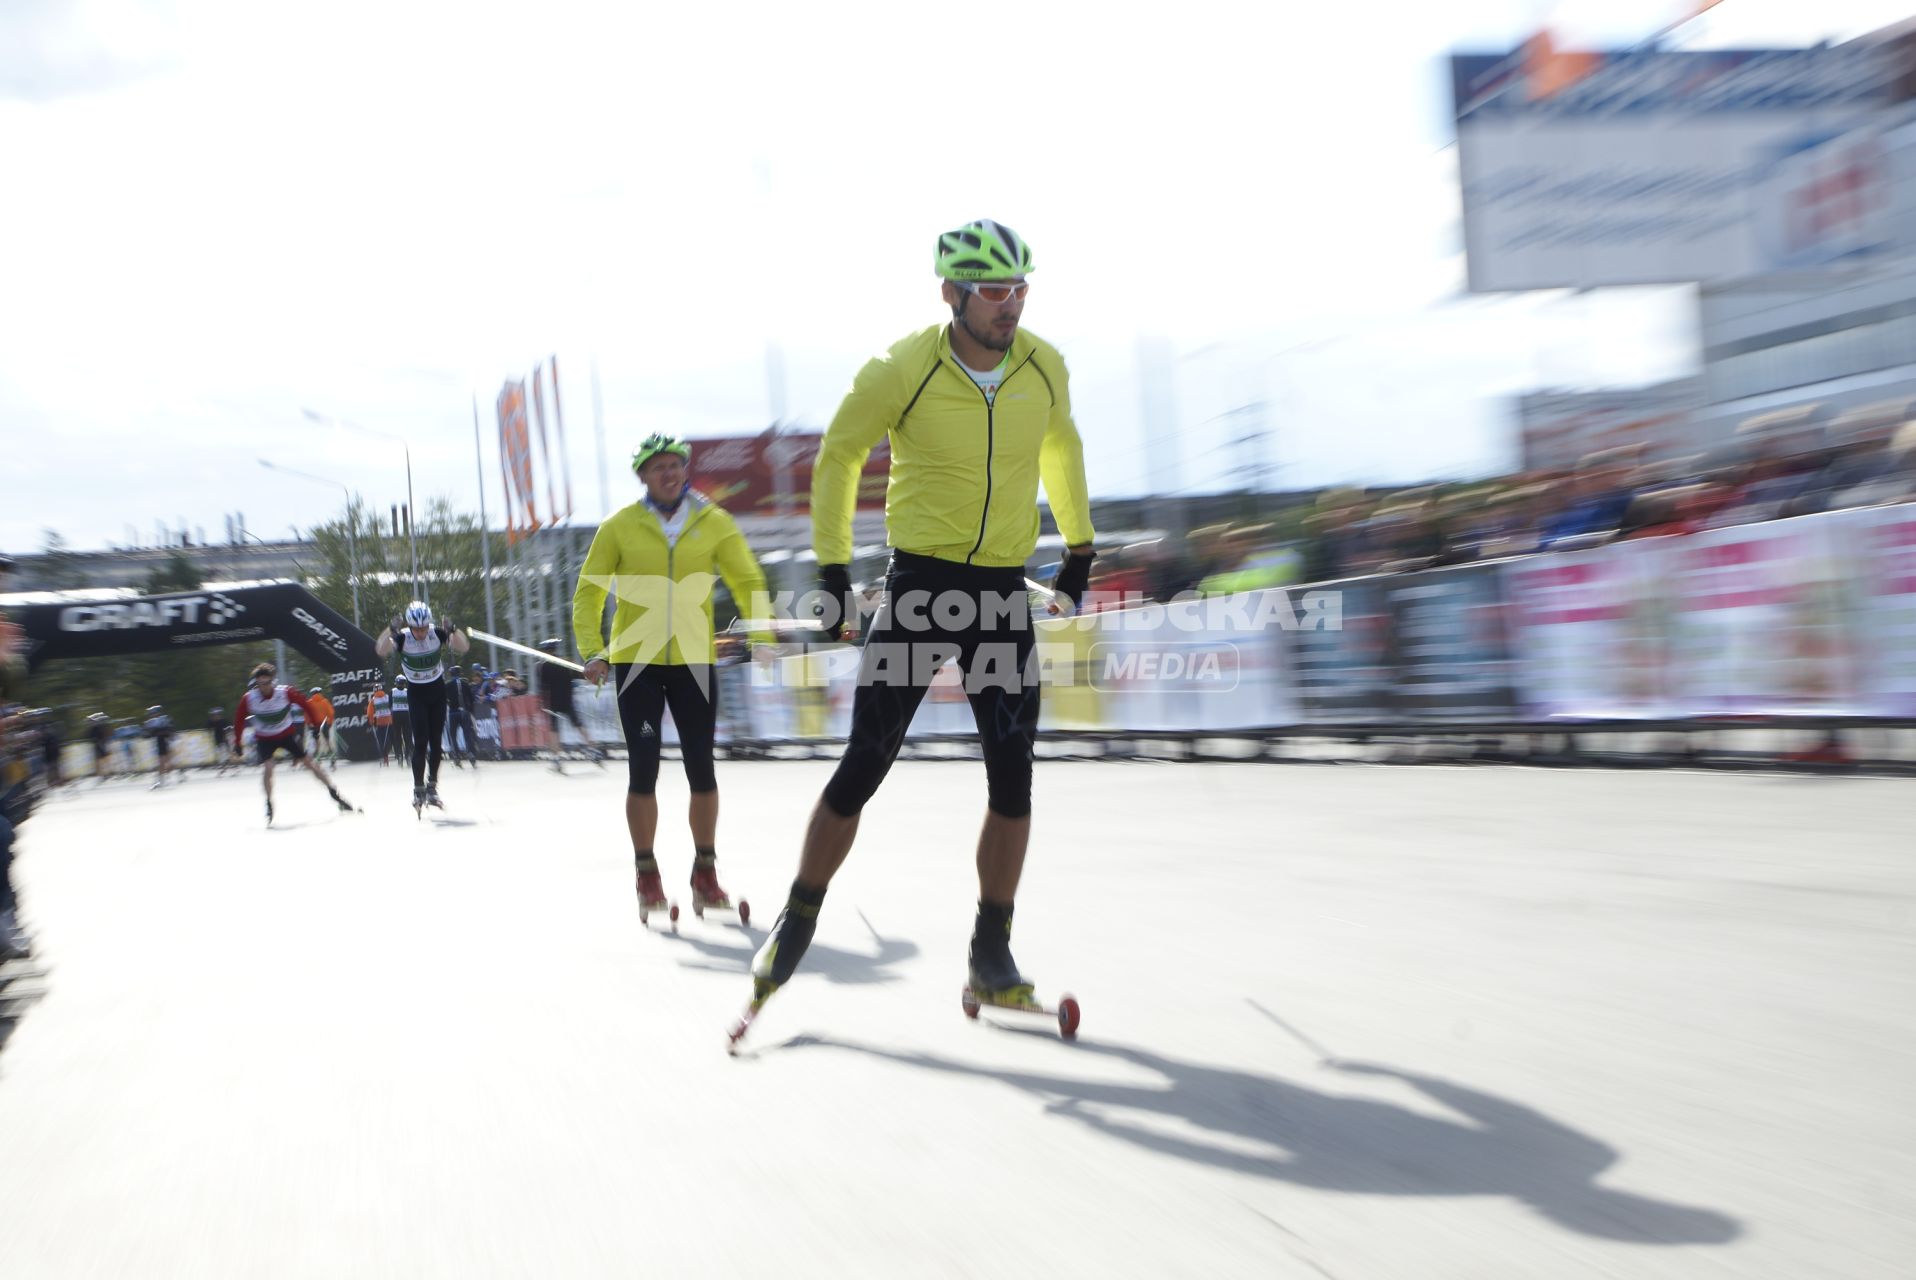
x=835, y=580
x=1074, y=576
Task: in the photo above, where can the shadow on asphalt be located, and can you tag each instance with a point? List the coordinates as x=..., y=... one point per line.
x=847, y=968
x=1336, y=1142
x=22, y=985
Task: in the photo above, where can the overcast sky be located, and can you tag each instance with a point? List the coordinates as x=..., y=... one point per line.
x=220, y=213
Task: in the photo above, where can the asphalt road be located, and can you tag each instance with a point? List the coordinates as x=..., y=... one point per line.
x=1347, y=1021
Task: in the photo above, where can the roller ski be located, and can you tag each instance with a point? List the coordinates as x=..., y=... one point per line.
x=418, y=802
x=345, y=805
x=269, y=813
x=652, y=896
x=995, y=981
x=708, y=896
x=775, y=962
x=1021, y=999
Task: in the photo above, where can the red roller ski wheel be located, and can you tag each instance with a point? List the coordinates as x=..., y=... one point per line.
x=744, y=912
x=1068, y=1018
x=969, y=1003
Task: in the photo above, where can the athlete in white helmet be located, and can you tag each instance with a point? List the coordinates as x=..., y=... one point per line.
x=422, y=645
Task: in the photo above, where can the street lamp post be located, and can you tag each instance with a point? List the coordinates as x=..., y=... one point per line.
x=412, y=511
x=352, y=521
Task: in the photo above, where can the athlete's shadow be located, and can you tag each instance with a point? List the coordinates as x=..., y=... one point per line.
x=848, y=968
x=1338, y=1142
x=22, y=985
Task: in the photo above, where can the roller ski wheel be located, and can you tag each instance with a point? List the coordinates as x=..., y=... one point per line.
x=668, y=909
x=709, y=895
x=761, y=992
x=741, y=908
x=739, y=1027
x=652, y=900
x=1021, y=1000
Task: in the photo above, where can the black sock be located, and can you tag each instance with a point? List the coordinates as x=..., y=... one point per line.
x=803, y=901
x=645, y=862
x=994, y=920
x=707, y=855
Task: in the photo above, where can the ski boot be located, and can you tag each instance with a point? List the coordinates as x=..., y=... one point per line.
x=994, y=974
x=777, y=960
x=432, y=796
x=995, y=982
x=707, y=893
x=418, y=802
x=652, y=897
x=345, y=805
x=269, y=813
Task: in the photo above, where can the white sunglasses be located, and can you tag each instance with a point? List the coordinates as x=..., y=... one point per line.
x=993, y=291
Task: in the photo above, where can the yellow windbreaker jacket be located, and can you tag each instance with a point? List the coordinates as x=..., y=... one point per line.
x=664, y=591
x=964, y=472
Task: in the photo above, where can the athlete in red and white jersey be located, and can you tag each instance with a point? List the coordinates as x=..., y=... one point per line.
x=279, y=714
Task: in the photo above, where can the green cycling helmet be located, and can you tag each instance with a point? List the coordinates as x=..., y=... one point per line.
x=656, y=444
x=982, y=250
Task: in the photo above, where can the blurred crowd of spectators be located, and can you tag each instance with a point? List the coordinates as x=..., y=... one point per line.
x=1611, y=497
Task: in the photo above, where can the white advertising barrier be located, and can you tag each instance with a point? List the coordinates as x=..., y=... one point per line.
x=190, y=749
x=1882, y=546
x=1217, y=664
x=598, y=711
x=1760, y=624
x=804, y=696
x=1590, y=631
x=194, y=748
x=1810, y=616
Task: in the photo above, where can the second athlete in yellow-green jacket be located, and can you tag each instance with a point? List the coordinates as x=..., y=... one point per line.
x=659, y=559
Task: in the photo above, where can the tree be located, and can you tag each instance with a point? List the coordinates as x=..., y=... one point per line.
x=59, y=569
x=451, y=564
x=355, y=548
x=178, y=573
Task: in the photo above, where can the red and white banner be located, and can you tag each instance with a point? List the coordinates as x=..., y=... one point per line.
x=748, y=474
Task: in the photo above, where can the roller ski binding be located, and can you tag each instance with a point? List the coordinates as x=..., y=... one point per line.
x=775, y=963
x=995, y=981
x=652, y=896
x=1022, y=1000
x=707, y=895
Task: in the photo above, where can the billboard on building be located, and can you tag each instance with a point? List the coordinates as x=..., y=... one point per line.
x=1652, y=166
